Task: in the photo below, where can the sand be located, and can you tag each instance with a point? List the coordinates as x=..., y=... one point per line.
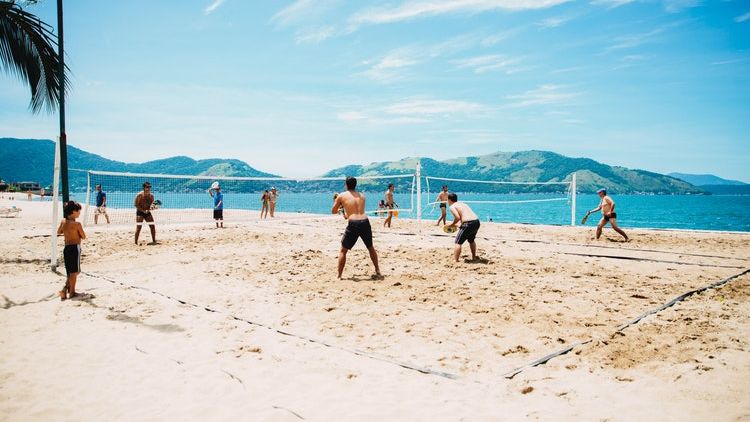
x=250, y=322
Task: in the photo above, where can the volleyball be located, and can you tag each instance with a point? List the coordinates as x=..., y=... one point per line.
x=448, y=228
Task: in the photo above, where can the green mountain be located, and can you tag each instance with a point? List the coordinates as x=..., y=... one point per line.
x=33, y=160
x=706, y=179
x=529, y=166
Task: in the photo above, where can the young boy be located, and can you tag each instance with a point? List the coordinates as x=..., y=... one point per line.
x=73, y=232
x=218, y=197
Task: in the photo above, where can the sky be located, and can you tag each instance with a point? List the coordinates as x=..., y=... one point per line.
x=297, y=88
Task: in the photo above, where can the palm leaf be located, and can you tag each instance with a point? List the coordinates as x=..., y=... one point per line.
x=28, y=50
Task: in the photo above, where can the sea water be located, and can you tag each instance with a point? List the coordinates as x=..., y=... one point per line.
x=694, y=212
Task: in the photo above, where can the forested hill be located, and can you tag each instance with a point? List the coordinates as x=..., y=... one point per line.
x=533, y=166
x=33, y=160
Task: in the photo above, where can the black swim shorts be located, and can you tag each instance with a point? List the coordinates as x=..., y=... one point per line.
x=218, y=214
x=442, y=205
x=468, y=231
x=145, y=214
x=610, y=215
x=354, y=230
x=72, y=257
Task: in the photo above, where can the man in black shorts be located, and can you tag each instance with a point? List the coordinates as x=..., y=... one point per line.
x=469, y=226
x=353, y=203
x=143, y=202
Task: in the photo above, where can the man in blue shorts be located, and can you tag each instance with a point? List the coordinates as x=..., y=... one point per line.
x=101, y=205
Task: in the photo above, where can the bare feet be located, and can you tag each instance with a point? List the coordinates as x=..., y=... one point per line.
x=63, y=294
x=377, y=276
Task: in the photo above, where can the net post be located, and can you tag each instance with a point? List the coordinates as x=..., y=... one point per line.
x=573, y=189
x=88, y=198
x=418, y=173
x=55, y=206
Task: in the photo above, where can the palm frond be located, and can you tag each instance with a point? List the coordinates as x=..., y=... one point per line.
x=28, y=50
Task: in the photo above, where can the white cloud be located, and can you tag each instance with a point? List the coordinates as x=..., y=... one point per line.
x=491, y=40
x=742, y=18
x=423, y=8
x=543, y=95
x=635, y=40
x=553, y=22
x=314, y=36
x=611, y=3
x=293, y=13
x=674, y=6
x=390, y=67
x=427, y=107
x=212, y=7
x=490, y=63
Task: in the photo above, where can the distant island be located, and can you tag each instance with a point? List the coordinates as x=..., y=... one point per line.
x=714, y=184
x=33, y=160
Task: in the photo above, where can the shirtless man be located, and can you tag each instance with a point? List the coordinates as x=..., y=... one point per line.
x=353, y=203
x=143, y=202
x=442, y=198
x=607, y=206
x=469, y=226
x=389, y=205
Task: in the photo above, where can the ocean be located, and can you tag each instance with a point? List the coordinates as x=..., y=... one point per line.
x=694, y=212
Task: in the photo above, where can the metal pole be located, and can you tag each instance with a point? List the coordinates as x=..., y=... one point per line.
x=55, y=207
x=573, y=188
x=88, y=199
x=61, y=76
x=419, y=195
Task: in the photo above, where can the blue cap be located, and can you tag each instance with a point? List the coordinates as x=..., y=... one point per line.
x=602, y=190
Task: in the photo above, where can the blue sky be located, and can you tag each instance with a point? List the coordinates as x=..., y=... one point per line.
x=299, y=87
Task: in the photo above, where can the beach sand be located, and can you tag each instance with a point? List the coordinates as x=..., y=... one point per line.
x=250, y=322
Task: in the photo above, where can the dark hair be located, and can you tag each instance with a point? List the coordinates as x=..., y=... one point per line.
x=452, y=197
x=351, y=183
x=146, y=184
x=445, y=186
x=390, y=185
x=98, y=186
x=70, y=207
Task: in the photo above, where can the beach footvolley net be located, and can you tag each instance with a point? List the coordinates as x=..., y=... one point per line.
x=507, y=201
x=188, y=199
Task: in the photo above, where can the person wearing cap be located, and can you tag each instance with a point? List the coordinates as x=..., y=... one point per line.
x=272, y=200
x=215, y=192
x=607, y=207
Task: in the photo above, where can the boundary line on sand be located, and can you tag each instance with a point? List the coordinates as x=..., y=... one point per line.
x=635, y=321
x=357, y=352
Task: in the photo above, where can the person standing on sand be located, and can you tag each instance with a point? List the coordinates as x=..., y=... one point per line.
x=389, y=205
x=353, y=203
x=215, y=192
x=469, y=226
x=143, y=202
x=607, y=207
x=73, y=233
x=442, y=198
x=28, y=194
x=264, y=204
x=101, y=205
x=272, y=196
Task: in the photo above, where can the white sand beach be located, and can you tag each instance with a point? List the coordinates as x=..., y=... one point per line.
x=250, y=323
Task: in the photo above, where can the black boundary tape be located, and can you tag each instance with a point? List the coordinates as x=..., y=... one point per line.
x=357, y=352
x=633, y=258
x=679, y=298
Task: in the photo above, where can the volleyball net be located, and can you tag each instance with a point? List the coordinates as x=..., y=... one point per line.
x=111, y=197
x=507, y=201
